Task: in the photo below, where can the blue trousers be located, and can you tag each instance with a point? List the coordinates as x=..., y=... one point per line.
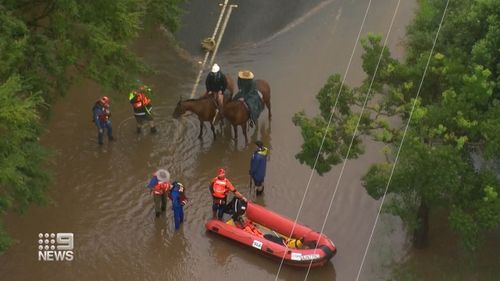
x=219, y=208
x=105, y=126
x=178, y=216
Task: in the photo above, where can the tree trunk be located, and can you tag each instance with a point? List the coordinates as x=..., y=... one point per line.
x=421, y=233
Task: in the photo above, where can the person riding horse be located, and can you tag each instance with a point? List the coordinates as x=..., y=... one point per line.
x=216, y=84
x=249, y=94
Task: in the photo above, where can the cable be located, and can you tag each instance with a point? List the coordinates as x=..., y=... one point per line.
x=355, y=132
x=402, y=140
x=324, y=136
x=208, y=52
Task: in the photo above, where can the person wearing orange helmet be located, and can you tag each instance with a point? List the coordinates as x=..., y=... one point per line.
x=101, y=117
x=219, y=188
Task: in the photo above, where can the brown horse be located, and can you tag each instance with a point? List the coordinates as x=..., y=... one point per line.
x=237, y=113
x=205, y=108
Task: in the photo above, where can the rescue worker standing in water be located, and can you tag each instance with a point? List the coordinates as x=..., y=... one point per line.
x=142, y=107
x=179, y=199
x=219, y=188
x=101, y=117
x=159, y=186
x=258, y=166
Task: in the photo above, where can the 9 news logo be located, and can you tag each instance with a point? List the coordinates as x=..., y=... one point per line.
x=55, y=246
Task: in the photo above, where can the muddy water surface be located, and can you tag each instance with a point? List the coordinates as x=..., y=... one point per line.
x=98, y=192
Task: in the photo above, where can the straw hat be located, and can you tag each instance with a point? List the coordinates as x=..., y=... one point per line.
x=163, y=175
x=245, y=74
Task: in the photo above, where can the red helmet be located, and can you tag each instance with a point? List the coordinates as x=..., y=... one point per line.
x=104, y=100
x=221, y=173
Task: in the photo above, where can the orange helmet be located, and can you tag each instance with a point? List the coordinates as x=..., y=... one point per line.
x=104, y=100
x=221, y=173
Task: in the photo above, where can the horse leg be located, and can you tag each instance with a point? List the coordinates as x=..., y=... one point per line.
x=268, y=104
x=201, y=128
x=235, y=128
x=213, y=129
x=244, y=128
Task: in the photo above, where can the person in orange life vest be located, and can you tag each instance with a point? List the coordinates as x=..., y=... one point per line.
x=101, y=117
x=142, y=107
x=219, y=187
x=159, y=186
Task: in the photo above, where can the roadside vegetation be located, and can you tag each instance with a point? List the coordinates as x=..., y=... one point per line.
x=449, y=162
x=45, y=45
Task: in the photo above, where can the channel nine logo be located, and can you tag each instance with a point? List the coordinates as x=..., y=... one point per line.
x=55, y=246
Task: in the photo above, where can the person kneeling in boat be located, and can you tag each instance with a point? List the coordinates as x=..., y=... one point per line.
x=219, y=187
x=237, y=208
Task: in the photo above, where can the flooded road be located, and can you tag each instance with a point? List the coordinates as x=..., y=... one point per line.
x=98, y=192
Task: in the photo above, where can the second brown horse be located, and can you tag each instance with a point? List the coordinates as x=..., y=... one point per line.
x=236, y=111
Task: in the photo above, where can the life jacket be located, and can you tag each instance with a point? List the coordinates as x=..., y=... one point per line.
x=161, y=187
x=219, y=189
x=139, y=100
x=104, y=112
x=293, y=243
x=263, y=151
x=251, y=228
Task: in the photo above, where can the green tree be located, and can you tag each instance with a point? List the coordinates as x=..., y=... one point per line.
x=44, y=46
x=455, y=122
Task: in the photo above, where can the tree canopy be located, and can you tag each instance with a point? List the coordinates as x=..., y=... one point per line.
x=44, y=46
x=450, y=155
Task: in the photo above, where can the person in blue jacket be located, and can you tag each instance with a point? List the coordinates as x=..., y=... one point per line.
x=258, y=166
x=101, y=117
x=179, y=199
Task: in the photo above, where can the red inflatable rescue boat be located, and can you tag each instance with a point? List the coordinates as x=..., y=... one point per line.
x=265, y=231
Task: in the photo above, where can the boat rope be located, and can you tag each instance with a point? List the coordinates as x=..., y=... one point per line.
x=367, y=95
x=324, y=135
x=402, y=141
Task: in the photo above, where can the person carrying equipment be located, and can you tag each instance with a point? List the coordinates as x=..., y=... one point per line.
x=142, y=107
x=101, y=115
x=219, y=187
x=159, y=186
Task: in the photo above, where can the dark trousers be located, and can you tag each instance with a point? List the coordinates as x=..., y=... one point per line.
x=160, y=202
x=100, y=133
x=219, y=206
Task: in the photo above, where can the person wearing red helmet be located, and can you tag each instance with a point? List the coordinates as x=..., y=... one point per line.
x=101, y=117
x=219, y=188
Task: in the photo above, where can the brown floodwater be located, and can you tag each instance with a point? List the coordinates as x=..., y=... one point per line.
x=98, y=192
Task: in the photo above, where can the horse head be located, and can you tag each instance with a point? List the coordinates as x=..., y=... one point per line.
x=179, y=109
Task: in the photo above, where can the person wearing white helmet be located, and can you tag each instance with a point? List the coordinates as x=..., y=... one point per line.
x=216, y=84
x=159, y=186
